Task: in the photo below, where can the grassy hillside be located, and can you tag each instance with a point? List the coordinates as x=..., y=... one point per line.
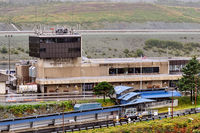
x=115, y=45
x=95, y=14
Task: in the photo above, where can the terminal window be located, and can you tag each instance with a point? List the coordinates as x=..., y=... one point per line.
x=136, y=70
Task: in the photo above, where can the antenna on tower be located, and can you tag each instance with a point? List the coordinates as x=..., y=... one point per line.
x=36, y=24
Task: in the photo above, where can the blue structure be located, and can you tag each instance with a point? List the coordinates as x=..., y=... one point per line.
x=159, y=94
x=124, y=95
x=58, y=116
x=128, y=97
x=86, y=106
x=119, y=90
x=141, y=100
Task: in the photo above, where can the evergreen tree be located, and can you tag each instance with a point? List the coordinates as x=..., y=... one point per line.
x=190, y=78
x=105, y=89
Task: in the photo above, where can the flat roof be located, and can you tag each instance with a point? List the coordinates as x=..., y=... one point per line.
x=132, y=60
x=55, y=35
x=122, y=60
x=159, y=94
x=97, y=79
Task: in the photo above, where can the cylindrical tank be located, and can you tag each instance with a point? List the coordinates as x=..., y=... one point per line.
x=33, y=71
x=30, y=71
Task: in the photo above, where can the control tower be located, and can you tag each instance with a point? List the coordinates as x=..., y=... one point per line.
x=57, y=53
x=55, y=46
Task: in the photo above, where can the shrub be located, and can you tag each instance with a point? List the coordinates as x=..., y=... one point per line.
x=20, y=49
x=126, y=51
x=163, y=44
x=139, y=53
x=27, y=51
x=16, y=52
x=4, y=50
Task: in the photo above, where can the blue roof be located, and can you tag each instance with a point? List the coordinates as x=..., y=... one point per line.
x=59, y=116
x=120, y=89
x=86, y=106
x=159, y=94
x=122, y=96
x=129, y=95
x=140, y=100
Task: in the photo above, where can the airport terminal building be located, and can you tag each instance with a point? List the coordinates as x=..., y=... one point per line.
x=60, y=67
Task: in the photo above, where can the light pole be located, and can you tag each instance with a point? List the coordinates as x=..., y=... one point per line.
x=141, y=73
x=9, y=37
x=172, y=103
x=196, y=92
x=83, y=84
x=63, y=117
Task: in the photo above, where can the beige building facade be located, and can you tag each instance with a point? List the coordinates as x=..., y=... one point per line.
x=78, y=75
x=3, y=79
x=61, y=68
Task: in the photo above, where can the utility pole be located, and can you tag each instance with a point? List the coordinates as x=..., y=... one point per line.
x=9, y=37
x=195, y=92
x=63, y=118
x=172, y=103
x=141, y=74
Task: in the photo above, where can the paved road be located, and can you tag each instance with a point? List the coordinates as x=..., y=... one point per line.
x=37, y=97
x=166, y=31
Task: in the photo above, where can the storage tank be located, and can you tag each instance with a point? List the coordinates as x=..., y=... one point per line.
x=30, y=71
x=33, y=71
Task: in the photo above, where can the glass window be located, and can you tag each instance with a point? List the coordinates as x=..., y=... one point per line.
x=112, y=71
x=147, y=70
x=70, y=50
x=60, y=40
x=121, y=71
x=131, y=70
x=42, y=49
x=155, y=69
x=137, y=70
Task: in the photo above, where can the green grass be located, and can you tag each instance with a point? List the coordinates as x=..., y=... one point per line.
x=183, y=124
x=98, y=12
x=38, y=108
x=183, y=103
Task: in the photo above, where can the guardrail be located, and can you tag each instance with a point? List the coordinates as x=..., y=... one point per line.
x=79, y=120
x=110, y=123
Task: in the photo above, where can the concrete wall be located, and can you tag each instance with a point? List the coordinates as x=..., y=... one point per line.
x=78, y=87
x=164, y=104
x=63, y=88
x=74, y=68
x=22, y=74
x=2, y=87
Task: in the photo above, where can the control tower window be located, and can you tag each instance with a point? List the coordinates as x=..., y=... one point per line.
x=47, y=40
x=60, y=40
x=55, y=46
x=42, y=49
x=74, y=50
